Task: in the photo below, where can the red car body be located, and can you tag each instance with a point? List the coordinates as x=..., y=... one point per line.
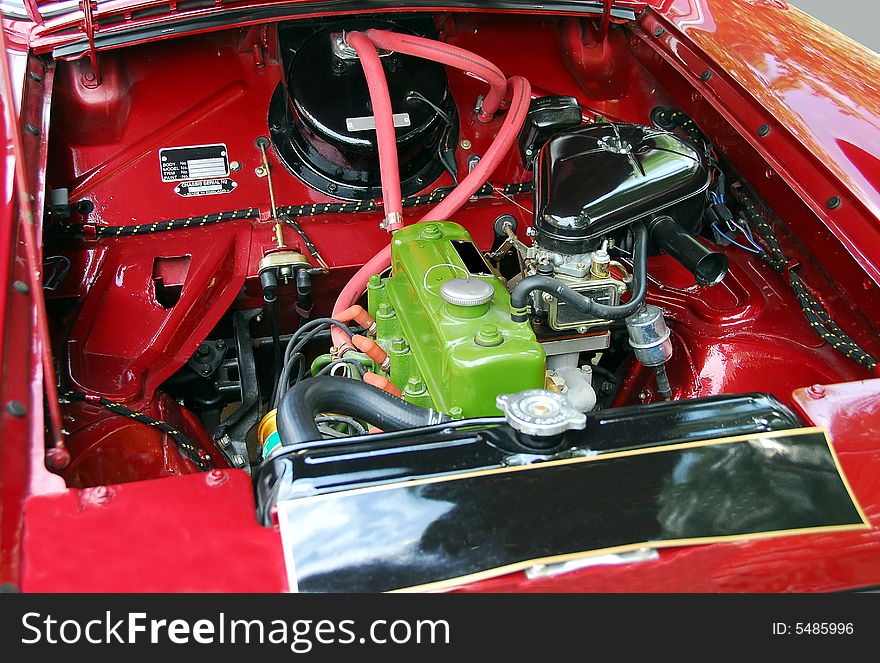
x=793, y=104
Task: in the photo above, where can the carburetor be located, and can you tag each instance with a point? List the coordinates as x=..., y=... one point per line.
x=591, y=184
x=593, y=274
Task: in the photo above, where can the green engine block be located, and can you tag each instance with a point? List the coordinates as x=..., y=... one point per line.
x=454, y=358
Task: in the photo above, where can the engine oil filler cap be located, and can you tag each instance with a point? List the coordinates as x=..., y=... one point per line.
x=540, y=412
x=467, y=292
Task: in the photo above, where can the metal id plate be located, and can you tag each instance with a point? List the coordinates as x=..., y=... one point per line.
x=368, y=122
x=439, y=532
x=193, y=162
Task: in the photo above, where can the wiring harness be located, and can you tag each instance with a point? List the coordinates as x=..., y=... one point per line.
x=187, y=448
x=818, y=317
x=292, y=211
x=816, y=314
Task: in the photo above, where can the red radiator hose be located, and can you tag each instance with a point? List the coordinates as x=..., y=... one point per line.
x=386, y=138
x=452, y=56
x=521, y=93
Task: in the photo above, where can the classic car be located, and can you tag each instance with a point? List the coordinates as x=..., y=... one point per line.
x=312, y=295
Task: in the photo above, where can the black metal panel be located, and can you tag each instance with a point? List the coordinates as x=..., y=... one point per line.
x=414, y=534
x=348, y=463
x=593, y=180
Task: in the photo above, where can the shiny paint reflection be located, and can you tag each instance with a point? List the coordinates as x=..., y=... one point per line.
x=422, y=532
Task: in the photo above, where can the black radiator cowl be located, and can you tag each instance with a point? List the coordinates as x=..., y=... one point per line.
x=348, y=463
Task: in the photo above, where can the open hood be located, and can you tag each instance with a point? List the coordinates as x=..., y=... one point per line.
x=70, y=28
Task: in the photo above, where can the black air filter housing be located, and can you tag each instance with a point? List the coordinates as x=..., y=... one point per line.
x=320, y=117
x=593, y=180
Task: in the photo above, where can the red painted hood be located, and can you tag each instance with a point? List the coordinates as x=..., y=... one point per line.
x=54, y=16
x=817, y=84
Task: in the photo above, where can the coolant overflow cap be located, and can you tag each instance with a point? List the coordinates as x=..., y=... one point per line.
x=540, y=412
x=467, y=292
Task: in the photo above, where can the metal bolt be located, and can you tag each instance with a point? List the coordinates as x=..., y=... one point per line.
x=35, y=76
x=488, y=336
x=332, y=187
x=16, y=408
x=216, y=477
x=415, y=386
x=763, y=130
x=466, y=144
x=224, y=441
x=643, y=396
x=260, y=171
x=385, y=311
x=98, y=495
x=706, y=75
x=399, y=345
x=816, y=392
x=833, y=202
x=221, y=344
x=32, y=129
x=431, y=231
x=238, y=460
x=659, y=32
x=57, y=459
x=235, y=166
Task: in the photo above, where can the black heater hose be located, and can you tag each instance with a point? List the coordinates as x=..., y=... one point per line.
x=300, y=405
x=519, y=298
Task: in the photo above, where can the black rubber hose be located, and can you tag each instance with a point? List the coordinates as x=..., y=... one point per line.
x=519, y=298
x=296, y=413
x=277, y=363
x=708, y=267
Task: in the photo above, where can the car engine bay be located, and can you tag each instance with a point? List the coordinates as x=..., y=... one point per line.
x=585, y=256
